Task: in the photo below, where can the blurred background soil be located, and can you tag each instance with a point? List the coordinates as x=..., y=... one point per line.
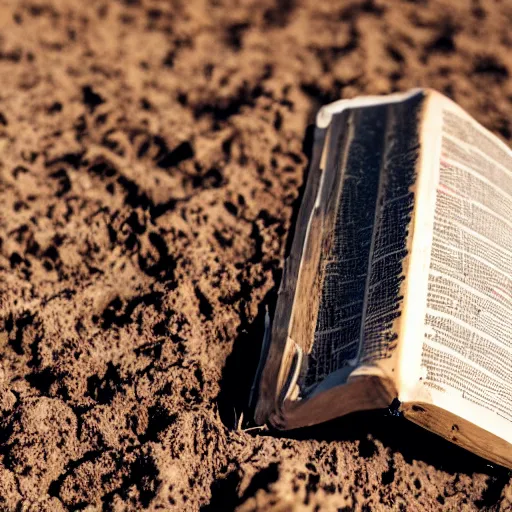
x=152, y=155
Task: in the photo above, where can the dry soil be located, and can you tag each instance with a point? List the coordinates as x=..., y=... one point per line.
x=152, y=155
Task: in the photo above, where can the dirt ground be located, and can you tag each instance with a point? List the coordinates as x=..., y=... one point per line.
x=151, y=160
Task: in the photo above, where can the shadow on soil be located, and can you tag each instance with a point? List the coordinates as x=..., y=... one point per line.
x=241, y=365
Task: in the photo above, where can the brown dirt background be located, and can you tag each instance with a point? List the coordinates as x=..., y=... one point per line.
x=152, y=157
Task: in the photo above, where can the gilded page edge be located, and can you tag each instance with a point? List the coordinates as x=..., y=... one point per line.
x=453, y=423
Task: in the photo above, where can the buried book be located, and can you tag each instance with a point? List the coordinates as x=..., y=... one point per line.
x=398, y=285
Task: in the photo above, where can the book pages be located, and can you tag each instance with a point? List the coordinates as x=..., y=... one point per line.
x=467, y=350
x=388, y=265
x=362, y=262
x=344, y=266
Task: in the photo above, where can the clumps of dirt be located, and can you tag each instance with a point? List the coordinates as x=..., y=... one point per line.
x=152, y=159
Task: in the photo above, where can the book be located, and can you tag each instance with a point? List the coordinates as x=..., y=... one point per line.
x=398, y=284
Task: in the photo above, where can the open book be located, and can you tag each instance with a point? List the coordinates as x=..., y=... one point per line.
x=398, y=285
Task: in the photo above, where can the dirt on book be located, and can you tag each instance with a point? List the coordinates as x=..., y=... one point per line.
x=152, y=159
